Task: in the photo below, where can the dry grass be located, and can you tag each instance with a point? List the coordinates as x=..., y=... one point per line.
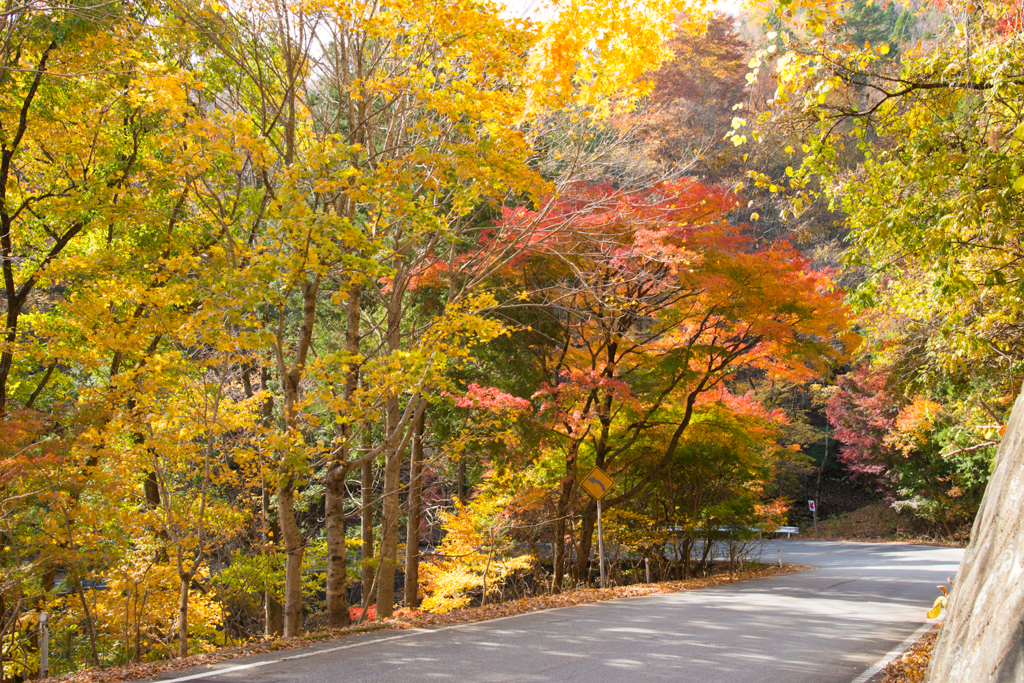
x=405, y=619
x=879, y=523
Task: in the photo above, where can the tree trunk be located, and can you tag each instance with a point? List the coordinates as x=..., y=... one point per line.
x=687, y=553
x=460, y=479
x=586, y=540
x=294, y=548
x=272, y=612
x=821, y=470
x=337, y=554
x=48, y=581
x=487, y=567
x=150, y=485
x=291, y=378
x=366, y=522
x=393, y=460
x=389, y=515
x=589, y=520
x=337, y=601
x=90, y=625
x=15, y=296
x=412, y=529
x=561, y=513
x=982, y=636
x=183, y=615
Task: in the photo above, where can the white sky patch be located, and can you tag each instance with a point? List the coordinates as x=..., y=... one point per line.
x=535, y=9
x=526, y=9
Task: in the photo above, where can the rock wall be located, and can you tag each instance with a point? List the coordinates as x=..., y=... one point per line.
x=982, y=636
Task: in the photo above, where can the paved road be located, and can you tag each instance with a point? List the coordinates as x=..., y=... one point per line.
x=830, y=625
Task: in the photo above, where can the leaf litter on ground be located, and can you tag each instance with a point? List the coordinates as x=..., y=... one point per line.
x=912, y=665
x=409, y=619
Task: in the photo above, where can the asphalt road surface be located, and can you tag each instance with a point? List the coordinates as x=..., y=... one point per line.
x=835, y=624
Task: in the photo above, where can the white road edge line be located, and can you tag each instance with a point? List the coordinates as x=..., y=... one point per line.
x=241, y=667
x=893, y=654
x=408, y=634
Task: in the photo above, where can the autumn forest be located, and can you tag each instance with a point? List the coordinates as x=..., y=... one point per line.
x=318, y=311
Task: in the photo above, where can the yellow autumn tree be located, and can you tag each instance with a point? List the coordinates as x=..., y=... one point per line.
x=477, y=553
x=214, y=223
x=373, y=150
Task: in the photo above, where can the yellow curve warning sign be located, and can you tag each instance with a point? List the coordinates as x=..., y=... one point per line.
x=597, y=483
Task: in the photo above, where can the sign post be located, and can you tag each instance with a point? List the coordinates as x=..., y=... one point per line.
x=600, y=543
x=44, y=645
x=813, y=505
x=597, y=484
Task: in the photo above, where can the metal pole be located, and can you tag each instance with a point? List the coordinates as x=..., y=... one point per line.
x=815, y=519
x=600, y=543
x=44, y=644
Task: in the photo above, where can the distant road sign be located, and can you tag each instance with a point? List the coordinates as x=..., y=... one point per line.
x=597, y=483
x=812, y=506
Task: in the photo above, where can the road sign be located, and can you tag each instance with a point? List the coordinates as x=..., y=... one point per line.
x=597, y=483
x=812, y=506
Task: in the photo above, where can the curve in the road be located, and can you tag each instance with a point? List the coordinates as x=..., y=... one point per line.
x=835, y=624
